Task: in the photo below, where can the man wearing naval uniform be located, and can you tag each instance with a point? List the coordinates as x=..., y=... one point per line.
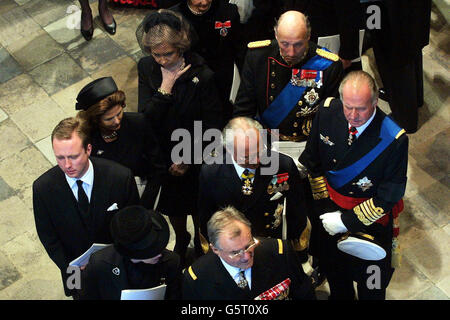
x=284, y=80
x=242, y=267
x=260, y=189
x=357, y=160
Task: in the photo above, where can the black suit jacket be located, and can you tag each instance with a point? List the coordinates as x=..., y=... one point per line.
x=220, y=186
x=274, y=261
x=58, y=221
x=100, y=283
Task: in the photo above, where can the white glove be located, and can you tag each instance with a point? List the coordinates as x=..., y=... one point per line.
x=332, y=222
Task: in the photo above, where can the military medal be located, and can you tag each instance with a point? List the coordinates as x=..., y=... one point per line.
x=223, y=26
x=247, y=188
x=311, y=97
x=364, y=184
x=278, y=183
x=326, y=140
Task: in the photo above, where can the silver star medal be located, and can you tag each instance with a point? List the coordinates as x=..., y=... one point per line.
x=311, y=97
x=364, y=184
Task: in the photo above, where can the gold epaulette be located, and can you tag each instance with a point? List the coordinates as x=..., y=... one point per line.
x=192, y=274
x=258, y=44
x=400, y=133
x=280, y=246
x=318, y=187
x=367, y=213
x=327, y=102
x=327, y=55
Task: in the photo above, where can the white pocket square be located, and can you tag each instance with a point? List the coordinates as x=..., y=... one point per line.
x=277, y=196
x=113, y=207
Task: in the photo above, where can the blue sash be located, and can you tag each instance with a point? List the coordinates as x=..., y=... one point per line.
x=388, y=132
x=291, y=94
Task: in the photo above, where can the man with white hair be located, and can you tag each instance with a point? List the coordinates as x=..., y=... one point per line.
x=261, y=185
x=357, y=158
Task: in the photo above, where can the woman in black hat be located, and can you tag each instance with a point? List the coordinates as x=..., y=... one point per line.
x=176, y=89
x=124, y=137
x=138, y=258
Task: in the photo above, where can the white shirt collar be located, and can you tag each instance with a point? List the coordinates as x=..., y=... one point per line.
x=233, y=271
x=365, y=125
x=87, y=178
x=239, y=169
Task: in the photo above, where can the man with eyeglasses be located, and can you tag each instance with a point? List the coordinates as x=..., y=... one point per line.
x=240, y=267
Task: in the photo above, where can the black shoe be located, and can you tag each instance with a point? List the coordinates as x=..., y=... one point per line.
x=87, y=34
x=110, y=28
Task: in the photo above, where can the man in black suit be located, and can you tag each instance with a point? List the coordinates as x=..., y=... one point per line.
x=74, y=201
x=241, y=267
x=357, y=158
x=257, y=184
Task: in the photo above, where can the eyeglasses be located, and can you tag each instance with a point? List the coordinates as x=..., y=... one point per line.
x=235, y=254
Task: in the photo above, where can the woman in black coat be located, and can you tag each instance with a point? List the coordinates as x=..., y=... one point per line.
x=176, y=92
x=123, y=137
x=220, y=41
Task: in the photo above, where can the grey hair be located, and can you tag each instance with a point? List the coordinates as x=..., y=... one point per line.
x=222, y=220
x=305, y=20
x=241, y=124
x=360, y=76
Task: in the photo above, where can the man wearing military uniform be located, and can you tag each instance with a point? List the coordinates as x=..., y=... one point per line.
x=357, y=160
x=262, y=189
x=241, y=267
x=284, y=80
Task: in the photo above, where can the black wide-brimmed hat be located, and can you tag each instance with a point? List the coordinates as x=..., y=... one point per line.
x=95, y=91
x=139, y=233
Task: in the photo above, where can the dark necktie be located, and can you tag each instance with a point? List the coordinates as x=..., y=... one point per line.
x=352, y=135
x=242, y=281
x=247, y=188
x=83, y=202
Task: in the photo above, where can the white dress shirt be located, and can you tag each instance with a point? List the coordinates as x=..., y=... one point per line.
x=88, y=182
x=234, y=273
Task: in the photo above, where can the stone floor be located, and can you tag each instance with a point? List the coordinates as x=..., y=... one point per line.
x=44, y=62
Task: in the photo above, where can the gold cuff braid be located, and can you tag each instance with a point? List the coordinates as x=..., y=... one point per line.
x=318, y=187
x=367, y=212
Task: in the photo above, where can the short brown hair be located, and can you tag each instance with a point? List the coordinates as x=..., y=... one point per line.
x=93, y=114
x=66, y=127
